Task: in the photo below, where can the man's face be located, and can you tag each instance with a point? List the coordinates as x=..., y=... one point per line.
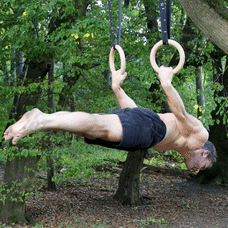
x=198, y=160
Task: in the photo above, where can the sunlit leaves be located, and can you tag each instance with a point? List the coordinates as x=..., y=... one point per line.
x=80, y=46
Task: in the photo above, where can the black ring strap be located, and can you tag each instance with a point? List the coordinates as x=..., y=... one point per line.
x=126, y=3
x=165, y=14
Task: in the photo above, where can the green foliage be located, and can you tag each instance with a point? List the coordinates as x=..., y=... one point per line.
x=79, y=160
x=79, y=44
x=76, y=44
x=29, y=150
x=169, y=158
x=155, y=222
x=4, y=225
x=15, y=192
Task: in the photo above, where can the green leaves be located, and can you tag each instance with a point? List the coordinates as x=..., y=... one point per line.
x=79, y=160
x=79, y=43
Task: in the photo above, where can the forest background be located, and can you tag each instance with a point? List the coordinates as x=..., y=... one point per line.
x=55, y=57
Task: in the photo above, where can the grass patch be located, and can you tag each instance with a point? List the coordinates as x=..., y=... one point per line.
x=151, y=221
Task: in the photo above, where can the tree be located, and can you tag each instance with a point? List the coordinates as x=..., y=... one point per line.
x=50, y=161
x=218, y=174
x=128, y=190
x=211, y=16
x=56, y=30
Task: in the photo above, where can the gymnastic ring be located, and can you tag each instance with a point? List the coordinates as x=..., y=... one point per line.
x=122, y=59
x=176, y=45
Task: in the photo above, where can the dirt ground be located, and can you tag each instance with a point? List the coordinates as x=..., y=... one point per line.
x=173, y=202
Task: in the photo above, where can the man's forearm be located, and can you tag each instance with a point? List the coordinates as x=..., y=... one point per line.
x=123, y=99
x=174, y=100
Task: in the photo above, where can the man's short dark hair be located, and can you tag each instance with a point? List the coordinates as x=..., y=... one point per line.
x=212, y=151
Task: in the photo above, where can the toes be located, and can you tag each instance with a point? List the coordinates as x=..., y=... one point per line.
x=7, y=134
x=7, y=131
x=7, y=137
x=15, y=139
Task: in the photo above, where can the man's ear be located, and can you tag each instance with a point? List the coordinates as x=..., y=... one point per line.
x=205, y=153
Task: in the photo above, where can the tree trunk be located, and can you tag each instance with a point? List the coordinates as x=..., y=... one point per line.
x=128, y=190
x=18, y=179
x=19, y=63
x=50, y=174
x=211, y=17
x=51, y=105
x=152, y=16
x=199, y=91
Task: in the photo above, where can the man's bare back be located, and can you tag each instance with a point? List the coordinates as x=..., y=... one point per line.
x=176, y=140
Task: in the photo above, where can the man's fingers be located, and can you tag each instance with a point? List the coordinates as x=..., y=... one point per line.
x=121, y=75
x=119, y=72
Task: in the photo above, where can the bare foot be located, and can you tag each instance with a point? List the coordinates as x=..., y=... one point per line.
x=25, y=126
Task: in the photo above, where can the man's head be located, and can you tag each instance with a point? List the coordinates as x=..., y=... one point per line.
x=201, y=158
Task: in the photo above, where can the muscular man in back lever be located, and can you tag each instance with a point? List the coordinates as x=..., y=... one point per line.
x=130, y=128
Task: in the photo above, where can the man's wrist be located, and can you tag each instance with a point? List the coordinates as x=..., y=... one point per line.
x=166, y=84
x=115, y=88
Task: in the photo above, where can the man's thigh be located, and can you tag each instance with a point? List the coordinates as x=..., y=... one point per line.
x=107, y=127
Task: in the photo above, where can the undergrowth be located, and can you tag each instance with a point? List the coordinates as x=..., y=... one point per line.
x=77, y=161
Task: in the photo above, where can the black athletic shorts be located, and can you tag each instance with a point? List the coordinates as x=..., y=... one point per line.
x=142, y=129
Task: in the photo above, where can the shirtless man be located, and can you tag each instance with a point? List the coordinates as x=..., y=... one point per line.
x=130, y=128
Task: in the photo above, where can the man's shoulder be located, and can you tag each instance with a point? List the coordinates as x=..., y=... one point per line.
x=195, y=133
